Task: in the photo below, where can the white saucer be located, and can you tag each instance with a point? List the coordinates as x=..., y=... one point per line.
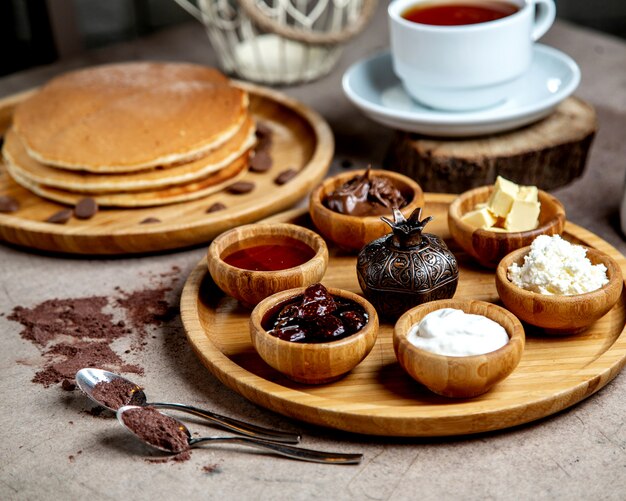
x=374, y=88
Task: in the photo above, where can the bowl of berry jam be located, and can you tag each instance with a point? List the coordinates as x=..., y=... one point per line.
x=254, y=261
x=314, y=335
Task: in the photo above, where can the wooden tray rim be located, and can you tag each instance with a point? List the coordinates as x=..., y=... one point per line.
x=286, y=400
x=320, y=160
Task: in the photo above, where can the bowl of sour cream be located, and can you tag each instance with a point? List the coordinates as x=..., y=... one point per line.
x=458, y=347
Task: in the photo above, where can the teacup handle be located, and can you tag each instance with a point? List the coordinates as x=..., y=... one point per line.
x=545, y=12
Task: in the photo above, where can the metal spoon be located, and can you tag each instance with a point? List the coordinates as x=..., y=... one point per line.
x=88, y=378
x=277, y=448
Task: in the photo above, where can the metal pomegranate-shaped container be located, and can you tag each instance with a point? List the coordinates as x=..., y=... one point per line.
x=406, y=267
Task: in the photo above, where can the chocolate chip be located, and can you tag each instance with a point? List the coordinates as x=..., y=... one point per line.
x=262, y=130
x=8, y=204
x=61, y=217
x=264, y=137
x=261, y=162
x=285, y=176
x=241, y=187
x=150, y=220
x=86, y=208
x=216, y=207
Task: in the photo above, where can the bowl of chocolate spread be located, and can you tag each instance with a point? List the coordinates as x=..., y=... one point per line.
x=346, y=209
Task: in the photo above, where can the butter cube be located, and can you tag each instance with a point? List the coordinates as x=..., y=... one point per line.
x=528, y=193
x=480, y=206
x=480, y=218
x=501, y=200
x=523, y=216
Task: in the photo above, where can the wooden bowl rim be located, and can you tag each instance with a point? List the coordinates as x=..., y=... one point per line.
x=269, y=302
x=454, y=212
x=316, y=195
x=516, y=334
x=613, y=270
x=255, y=229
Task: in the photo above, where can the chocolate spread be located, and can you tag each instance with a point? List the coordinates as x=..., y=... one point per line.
x=365, y=195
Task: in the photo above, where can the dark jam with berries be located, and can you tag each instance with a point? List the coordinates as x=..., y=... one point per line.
x=315, y=317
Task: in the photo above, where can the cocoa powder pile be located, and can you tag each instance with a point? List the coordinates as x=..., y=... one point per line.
x=77, y=332
x=115, y=393
x=156, y=428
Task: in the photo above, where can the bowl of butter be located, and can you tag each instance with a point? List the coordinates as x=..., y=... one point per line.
x=489, y=222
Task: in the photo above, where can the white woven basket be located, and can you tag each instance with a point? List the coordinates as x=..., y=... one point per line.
x=280, y=41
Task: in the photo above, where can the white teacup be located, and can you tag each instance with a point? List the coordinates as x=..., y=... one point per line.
x=466, y=67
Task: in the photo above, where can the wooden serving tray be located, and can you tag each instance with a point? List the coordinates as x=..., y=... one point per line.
x=377, y=397
x=301, y=140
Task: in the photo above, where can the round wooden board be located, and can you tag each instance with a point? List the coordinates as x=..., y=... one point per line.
x=301, y=140
x=377, y=397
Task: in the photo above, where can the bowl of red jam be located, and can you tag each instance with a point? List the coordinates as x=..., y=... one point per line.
x=314, y=335
x=254, y=261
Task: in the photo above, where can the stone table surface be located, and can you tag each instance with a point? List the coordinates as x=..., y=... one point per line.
x=579, y=453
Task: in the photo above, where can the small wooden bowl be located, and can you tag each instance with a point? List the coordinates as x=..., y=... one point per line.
x=249, y=286
x=557, y=314
x=351, y=233
x=487, y=246
x=312, y=363
x=460, y=377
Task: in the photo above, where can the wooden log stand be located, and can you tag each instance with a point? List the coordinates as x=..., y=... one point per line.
x=547, y=154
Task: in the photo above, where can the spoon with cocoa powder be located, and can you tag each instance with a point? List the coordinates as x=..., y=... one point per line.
x=167, y=434
x=113, y=391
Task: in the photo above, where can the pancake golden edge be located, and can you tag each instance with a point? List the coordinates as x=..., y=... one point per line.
x=85, y=182
x=130, y=116
x=174, y=194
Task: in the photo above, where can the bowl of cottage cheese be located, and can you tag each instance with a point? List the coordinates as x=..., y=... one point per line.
x=558, y=286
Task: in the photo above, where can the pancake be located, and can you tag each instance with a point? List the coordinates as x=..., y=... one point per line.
x=181, y=193
x=130, y=116
x=85, y=182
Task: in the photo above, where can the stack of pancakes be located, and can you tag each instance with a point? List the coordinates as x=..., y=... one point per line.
x=131, y=135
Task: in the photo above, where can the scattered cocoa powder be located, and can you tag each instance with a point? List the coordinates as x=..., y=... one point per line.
x=211, y=468
x=96, y=411
x=65, y=359
x=79, y=318
x=147, y=307
x=77, y=332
